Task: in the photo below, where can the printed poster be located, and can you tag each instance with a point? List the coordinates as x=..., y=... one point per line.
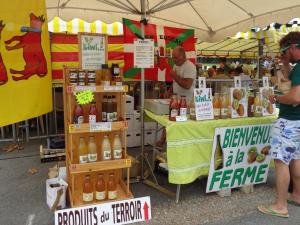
x=203, y=104
x=245, y=154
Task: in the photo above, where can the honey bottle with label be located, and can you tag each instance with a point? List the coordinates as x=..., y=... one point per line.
x=92, y=150
x=100, y=188
x=82, y=151
x=117, y=147
x=217, y=106
x=87, y=193
x=106, y=149
x=112, y=187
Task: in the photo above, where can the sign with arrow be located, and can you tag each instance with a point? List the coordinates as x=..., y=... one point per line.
x=118, y=212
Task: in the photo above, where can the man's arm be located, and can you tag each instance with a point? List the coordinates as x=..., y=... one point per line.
x=185, y=83
x=290, y=98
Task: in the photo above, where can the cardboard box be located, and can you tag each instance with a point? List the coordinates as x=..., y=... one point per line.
x=149, y=125
x=51, y=192
x=137, y=121
x=129, y=104
x=130, y=140
x=130, y=120
x=149, y=137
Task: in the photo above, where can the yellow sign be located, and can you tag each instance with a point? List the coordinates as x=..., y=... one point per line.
x=25, y=72
x=84, y=97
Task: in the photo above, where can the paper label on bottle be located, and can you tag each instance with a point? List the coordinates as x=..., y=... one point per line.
x=92, y=157
x=104, y=118
x=100, y=195
x=183, y=111
x=192, y=112
x=115, y=117
x=174, y=112
x=87, y=197
x=117, y=153
x=224, y=112
x=217, y=111
x=116, y=70
x=252, y=108
x=106, y=155
x=119, y=83
x=80, y=119
x=110, y=117
x=112, y=194
x=83, y=159
x=92, y=118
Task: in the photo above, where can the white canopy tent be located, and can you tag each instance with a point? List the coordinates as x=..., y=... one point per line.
x=213, y=20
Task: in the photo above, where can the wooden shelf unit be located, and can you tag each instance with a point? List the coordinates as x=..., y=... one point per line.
x=75, y=171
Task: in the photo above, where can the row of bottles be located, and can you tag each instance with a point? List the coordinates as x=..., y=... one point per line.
x=109, y=111
x=177, y=107
x=88, y=153
x=101, y=190
x=222, y=106
x=108, y=76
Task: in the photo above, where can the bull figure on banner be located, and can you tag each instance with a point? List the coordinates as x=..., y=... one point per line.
x=35, y=61
x=3, y=73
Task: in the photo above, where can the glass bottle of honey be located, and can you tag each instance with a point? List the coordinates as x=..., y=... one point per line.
x=87, y=193
x=106, y=148
x=100, y=188
x=92, y=150
x=192, y=109
x=82, y=151
x=217, y=106
x=112, y=187
x=224, y=106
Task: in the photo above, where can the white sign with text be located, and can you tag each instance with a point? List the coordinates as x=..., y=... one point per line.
x=203, y=104
x=118, y=212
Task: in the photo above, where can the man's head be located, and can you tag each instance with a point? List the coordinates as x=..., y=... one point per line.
x=290, y=46
x=178, y=55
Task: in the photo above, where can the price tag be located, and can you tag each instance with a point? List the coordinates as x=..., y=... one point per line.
x=202, y=82
x=181, y=118
x=72, y=127
x=265, y=81
x=237, y=82
x=113, y=88
x=125, y=88
x=70, y=89
x=101, y=126
x=84, y=88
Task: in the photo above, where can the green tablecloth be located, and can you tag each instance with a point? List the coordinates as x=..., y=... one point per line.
x=189, y=144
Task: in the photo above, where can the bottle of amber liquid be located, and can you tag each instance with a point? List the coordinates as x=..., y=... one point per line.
x=100, y=188
x=87, y=193
x=104, y=108
x=92, y=150
x=114, y=108
x=112, y=187
x=78, y=114
x=192, y=109
x=217, y=106
x=82, y=151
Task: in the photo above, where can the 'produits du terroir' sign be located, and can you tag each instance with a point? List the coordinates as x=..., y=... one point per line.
x=245, y=157
x=119, y=212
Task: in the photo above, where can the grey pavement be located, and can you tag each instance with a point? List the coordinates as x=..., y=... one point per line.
x=23, y=198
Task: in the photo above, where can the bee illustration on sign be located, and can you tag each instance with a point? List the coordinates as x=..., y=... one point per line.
x=3, y=73
x=31, y=43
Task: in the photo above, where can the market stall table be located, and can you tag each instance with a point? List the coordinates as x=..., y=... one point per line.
x=189, y=144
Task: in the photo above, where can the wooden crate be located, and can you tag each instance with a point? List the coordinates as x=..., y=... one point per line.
x=75, y=171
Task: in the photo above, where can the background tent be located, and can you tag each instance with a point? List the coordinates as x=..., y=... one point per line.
x=213, y=20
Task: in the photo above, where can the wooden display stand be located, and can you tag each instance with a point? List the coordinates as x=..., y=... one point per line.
x=75, y=171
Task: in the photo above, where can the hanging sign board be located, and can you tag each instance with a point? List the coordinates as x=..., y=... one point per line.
x=92, y=51
x=143, y=53
x=245, y=156
x=203, y=104
x=118, y=212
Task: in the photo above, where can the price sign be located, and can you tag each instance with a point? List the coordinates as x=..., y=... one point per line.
x=84, y=97
x=101, y=126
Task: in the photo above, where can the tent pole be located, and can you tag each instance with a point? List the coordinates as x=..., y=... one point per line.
x=143, y=17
